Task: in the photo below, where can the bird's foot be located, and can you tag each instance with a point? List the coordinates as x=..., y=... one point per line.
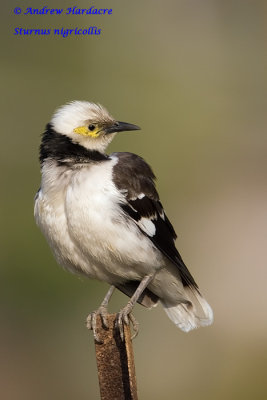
x=126, y=317
x=91, y=321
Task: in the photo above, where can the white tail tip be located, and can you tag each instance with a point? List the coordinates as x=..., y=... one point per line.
x=192, y=315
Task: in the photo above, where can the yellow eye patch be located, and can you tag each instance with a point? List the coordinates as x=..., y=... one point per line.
x=83, y=130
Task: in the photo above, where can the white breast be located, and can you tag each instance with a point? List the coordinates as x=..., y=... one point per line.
x=84, y=224
x=50, y=216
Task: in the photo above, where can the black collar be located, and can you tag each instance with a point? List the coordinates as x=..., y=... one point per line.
x=62, y=149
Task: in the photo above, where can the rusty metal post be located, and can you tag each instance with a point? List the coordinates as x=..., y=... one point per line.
x=115, y=362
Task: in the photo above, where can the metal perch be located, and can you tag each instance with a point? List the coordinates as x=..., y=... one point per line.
x=115, y=361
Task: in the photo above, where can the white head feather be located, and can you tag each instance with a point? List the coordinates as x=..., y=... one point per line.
x=82, y=113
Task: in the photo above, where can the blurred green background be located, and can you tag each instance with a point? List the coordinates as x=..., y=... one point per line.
x=192, y=74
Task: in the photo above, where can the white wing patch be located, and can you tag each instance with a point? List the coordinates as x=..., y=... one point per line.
x=147, y=226
x=162, y=215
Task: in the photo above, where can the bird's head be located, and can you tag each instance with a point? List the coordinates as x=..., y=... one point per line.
x=88, y=124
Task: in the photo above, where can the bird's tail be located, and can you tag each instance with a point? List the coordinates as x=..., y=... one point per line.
x=191, y=314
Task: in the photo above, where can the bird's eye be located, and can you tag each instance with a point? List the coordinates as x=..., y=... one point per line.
x=91, y=127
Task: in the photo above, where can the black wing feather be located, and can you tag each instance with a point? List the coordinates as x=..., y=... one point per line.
x=135, y=179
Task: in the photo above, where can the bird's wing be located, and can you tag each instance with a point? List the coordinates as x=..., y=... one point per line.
x=135, y=180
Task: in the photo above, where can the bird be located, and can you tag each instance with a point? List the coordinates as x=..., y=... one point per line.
x=102, y=217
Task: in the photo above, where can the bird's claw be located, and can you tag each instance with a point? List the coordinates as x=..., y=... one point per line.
x=135, y=324
x=91, y=321
x=125, y=317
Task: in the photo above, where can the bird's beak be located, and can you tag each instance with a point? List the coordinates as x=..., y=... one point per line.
x=119, y=126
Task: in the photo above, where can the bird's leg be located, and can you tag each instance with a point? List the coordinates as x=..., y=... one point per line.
x=102, y=311
x=125, y=315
